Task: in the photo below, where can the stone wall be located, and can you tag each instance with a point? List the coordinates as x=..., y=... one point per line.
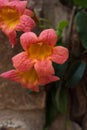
x=20, y=110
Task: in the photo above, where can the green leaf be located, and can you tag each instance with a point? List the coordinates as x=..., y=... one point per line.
x=61, y=99
x=61, y=27
x=46, y=128
x=60, y=69
x=81, y=24
x=75, y=73
x=81, y=3
x=51, y=109
x=62, y=24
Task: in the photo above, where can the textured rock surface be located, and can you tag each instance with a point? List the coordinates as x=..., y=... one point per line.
x=19, y=110
x=78, y=99
x=21, y=120
x=61, y=123
x=37, y=5
x=12, y=95
x=55, y=12
x=84, y=122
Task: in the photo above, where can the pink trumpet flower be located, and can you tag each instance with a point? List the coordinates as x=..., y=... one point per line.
x=14, y=16
x=40, y=52
x=29, y=79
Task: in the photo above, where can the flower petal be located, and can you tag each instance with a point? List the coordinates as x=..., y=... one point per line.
x=48, y=36
x=12, y=75
x=29, y=12
x=32, y=87
x=2, y=2
x=44, y=68
x=22, y=62
x=26, y=24
x=27, y=39
x=48, y=79
x=18, y=5
x=15, y=76
x=12, y=38
x=60, y=54
x=35, y=88
x=13, y=0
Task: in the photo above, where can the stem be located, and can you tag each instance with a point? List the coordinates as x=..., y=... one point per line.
x=68, y=38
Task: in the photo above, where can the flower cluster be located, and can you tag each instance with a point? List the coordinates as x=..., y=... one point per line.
x=33, y=66
x=14, y=16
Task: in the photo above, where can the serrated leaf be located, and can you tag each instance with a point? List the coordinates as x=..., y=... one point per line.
x=81, y=3
x=75, y=73
x=81, y=24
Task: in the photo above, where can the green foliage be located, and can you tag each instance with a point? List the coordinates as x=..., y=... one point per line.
x=56, y=102
x=70, y=73
x=81, y=3
x=75, y=73
x=51, y=109
x=67, y=2
x=81, y=24
x=64, y=2
x=61, y=27
x=61, y=99
x=44, y=23
x=46, y=128
x=60, y=69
